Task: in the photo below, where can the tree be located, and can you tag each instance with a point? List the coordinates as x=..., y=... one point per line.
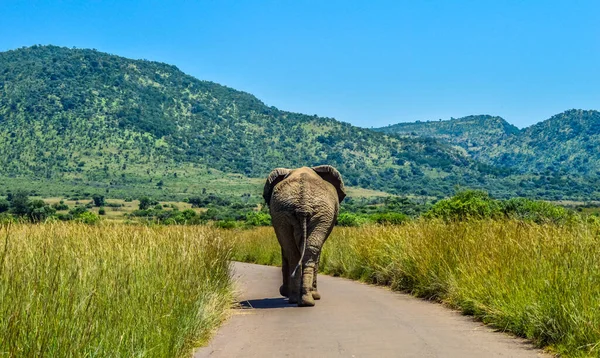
x=39, y=211
x=18, y=203
x=98, y=200
x=4, y=205
x=196, y=201
x=145, y=203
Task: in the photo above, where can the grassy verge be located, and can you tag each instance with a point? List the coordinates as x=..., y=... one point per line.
x=537, y=281
x=70, y=289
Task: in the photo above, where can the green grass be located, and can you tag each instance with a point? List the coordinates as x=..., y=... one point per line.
x=541, y=282
x=70, y=289
x=190, y=181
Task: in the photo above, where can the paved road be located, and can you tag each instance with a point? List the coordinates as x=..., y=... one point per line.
x=351, y=320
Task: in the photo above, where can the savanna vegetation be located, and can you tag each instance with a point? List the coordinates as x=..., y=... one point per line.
x=107, y=162
x=76, y=121
x=539, y=281
x=72, y=289
x=147, y=289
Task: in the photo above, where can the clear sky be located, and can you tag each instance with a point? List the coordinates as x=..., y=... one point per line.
x=370, y=63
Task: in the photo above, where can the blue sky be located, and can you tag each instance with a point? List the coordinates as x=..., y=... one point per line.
x=369, y=63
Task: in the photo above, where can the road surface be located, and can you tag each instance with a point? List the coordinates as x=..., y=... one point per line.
x=351, y=320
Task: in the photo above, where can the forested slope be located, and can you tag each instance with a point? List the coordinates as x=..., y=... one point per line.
x=85, y=117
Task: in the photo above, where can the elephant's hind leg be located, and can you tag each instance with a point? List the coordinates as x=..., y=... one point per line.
x=306, y=299
x=309, y=274
x=285, y=273
x=289, y=256
x=315, y=293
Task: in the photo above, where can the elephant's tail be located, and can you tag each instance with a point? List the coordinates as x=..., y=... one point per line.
x=304, y=220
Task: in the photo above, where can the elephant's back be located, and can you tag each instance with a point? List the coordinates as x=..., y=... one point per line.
x=304, y=195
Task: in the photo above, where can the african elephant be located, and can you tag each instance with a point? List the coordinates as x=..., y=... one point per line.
x=304, y=205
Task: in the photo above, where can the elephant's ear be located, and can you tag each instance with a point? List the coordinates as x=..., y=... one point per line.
x=330, y=174
x=277, y=175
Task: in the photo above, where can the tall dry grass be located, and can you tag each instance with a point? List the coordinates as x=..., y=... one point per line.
x=111, y=290
x=537, y=281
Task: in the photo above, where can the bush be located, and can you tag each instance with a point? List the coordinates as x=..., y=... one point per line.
x=258, y=218
x=77, y=211
x=88, y=218
x=64, y=217
x=536, y=211
x=19, y=203
x=141, y=213
x=469, y=204
x=226, y=224
x=101, y=211
x=4, y=205
x=146, y=202
x=350, y=220
x=98, y=200
x=60, y=205
x=39, y=211
x=389, y=218
x=188, y=214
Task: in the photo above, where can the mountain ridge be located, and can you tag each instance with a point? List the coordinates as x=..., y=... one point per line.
x=103, y=121
x=85, y=115
x=566, y=142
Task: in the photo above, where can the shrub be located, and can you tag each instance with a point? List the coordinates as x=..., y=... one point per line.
x=188, y=214
x=64, y=217
x=19, y=203
x=98, y=200
x=349, y=220
x=101, y=211
x=146, y=202
x=469, y=204
x=4, y=205
x=39, y=211
x=389, y=218
x=258, y=218
x=225, y=224
x=60, y=205
x=88, y=218
x=536, y=211
x=140, y=213
x=77, y=211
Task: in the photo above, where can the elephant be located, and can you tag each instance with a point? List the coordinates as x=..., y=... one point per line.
x=304, y=204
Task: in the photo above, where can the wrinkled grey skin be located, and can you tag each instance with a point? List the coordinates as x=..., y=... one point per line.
x=304, y=205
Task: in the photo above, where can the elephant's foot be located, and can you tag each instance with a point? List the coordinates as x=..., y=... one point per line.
x=293, y=300
x=307, y=300
x=283, y=290
x=316, y=295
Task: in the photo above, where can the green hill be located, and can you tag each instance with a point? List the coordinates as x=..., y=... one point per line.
x=566, y=143
x=75, y=121
x=473, y=133
x=85, y=117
